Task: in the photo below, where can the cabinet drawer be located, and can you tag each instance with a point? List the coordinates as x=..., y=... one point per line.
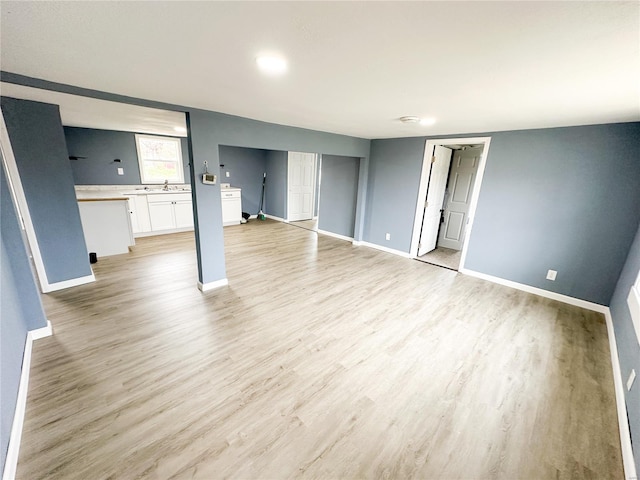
x=225, y=194
x=168, y=197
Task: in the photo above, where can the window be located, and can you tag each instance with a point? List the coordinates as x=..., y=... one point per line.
x=160, y=159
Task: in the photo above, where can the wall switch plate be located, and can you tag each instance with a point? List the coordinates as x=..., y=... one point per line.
x=551, y=275
x=227, y=174
x=120, y=171
x=387, y=236
x=632, y=377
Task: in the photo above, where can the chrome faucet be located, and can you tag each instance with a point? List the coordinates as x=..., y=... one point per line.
x=166, y=185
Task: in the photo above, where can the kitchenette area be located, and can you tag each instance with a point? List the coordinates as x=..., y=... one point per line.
x=113, y=216
x=133, y=184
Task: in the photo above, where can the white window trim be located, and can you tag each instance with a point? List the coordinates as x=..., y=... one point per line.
x=180, y=180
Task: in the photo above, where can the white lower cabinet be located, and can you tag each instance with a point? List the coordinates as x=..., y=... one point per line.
x=231, y=206
x=162, y=216
x=183, y=212
x=170, y=211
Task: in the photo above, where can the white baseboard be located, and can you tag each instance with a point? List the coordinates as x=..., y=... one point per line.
x=163, y=232
x=623, y=424
x=596, y=307
x=74, y=282
x=384, y=249
x=273, y=217
x=43, y=332
x=335, y=235
x=11, y=460
x=205, y=287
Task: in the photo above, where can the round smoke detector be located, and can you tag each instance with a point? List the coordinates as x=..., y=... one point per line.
x=410, y=119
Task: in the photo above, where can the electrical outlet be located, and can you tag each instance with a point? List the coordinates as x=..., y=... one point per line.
x=120, y=171
x=551, y=275
x=387, y=236
x=228, y=174
x=632, y=377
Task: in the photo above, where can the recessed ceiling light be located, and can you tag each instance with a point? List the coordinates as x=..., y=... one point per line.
x=272, y=64
x=180, y=129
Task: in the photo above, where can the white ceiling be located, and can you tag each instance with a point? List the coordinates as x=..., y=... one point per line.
x=87, y=112
x=354, y=67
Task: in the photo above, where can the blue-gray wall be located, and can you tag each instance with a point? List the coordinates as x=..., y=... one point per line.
x=208, y=131
x=626, y=340
x=566, y=199
x=394, y=179
x=338, y=194
x=102, y=147
x=38, y=143
x=275, y=198
x=20, y=310
x=246, y=167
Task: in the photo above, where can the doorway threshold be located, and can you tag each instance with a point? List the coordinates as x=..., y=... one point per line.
x=442, y=257
x=311, y=225
x=421, y=260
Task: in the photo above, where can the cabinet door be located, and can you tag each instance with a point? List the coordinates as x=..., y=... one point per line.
x=142, y=212
x=183, y=213
x=133, y=215
x=161, y=215
x=231, y=211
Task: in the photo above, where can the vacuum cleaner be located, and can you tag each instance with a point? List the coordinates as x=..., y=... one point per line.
x=261, y=213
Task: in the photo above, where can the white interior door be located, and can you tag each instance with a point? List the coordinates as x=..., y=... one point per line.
x=440, y=162
x=460, y=188
x=301, y=180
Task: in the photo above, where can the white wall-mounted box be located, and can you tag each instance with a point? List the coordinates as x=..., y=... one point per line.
x=633, y=300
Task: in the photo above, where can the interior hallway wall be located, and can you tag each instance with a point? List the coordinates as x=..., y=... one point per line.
x=246, y=167
x=338, y=194
x=211, y=129
x=38, y=143
x=627, y=341
x=275, y=200
x=20, y=310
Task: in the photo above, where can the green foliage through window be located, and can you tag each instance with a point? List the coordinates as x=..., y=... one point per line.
x=160, y=159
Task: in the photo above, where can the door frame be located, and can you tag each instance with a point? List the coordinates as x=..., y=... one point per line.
x=313, y=195
x=24, y=216
x=424, y=185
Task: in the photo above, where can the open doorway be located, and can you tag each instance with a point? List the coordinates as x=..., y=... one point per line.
x=449, y=186
x=302, y=189
x=99, y=186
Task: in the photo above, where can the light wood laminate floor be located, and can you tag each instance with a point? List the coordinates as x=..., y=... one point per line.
x=444, y=257
x=307, y=224
x=319, y=360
